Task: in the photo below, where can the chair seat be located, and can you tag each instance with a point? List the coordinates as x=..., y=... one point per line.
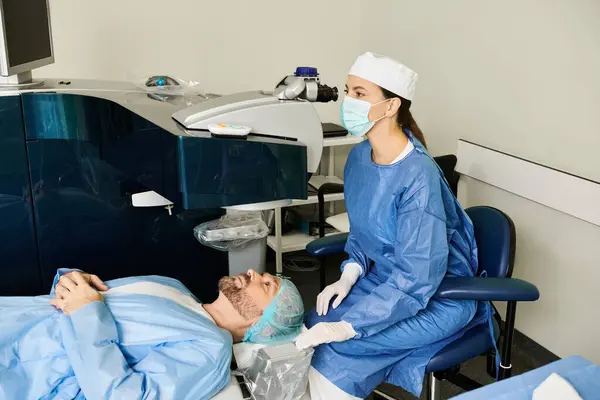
x=474, y=342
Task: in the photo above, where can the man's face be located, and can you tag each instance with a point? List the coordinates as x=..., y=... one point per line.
x=250, y=293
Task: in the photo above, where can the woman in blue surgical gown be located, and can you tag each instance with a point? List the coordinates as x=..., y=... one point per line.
x=407, y=232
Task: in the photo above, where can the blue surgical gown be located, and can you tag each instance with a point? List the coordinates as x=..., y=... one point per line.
x=131, y=346
x=407, y=232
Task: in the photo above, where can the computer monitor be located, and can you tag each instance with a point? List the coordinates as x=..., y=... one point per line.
x=25, y=36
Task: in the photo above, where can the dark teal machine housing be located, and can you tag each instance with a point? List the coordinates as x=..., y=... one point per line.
x=19, y=267
x=68, y=165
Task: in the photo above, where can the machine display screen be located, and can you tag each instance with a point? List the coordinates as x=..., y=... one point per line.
x=27, y=31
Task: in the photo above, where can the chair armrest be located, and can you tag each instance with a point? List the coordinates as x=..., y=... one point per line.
x=331, y=187
x=333, y=244
x=487, y=289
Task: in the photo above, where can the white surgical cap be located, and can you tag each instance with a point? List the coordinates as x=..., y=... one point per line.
x=386, y=73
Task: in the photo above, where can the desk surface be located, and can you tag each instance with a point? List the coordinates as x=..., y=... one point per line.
x=580, y=373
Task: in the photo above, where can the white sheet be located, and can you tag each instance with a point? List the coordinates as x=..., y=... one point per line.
x=555, y=387
x=231, y=392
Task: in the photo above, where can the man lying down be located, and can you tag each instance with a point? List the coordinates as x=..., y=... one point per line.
x=137, y=338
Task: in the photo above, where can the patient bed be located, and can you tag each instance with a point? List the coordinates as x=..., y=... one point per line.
x=582, y=374
x=231, y=392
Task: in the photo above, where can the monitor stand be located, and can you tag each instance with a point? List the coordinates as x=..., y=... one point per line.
x=23, y=80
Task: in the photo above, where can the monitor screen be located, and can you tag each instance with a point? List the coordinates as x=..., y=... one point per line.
x=27, y=31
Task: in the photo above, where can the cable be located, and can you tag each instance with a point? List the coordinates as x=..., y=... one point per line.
x=301, y=263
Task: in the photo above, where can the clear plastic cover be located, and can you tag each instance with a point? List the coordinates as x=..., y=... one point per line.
x=169, y=88
x=279, y=372
x=233, y=229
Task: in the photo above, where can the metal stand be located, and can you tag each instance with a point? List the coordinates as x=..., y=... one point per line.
x=252, y=255
x=509, y=331
x=435, y=388
x=278, y=234
x=268, y=205
x=23, y=80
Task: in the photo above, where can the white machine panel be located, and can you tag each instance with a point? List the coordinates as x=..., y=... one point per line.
x=266, y=115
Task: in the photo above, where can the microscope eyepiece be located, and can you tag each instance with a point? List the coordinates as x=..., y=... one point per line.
x=326, y=94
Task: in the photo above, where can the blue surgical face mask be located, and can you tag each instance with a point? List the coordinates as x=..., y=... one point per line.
x=354, y=115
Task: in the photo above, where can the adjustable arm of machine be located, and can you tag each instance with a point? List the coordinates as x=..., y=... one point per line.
x=305, y=85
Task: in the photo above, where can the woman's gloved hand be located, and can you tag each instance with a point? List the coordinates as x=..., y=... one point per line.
x=341, y=288
x=325, y=332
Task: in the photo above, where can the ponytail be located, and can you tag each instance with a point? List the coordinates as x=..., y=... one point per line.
x=404, y=118
x=416, y=131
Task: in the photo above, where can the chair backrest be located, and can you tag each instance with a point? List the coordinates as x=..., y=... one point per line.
x=447, y=164
x=496, y=240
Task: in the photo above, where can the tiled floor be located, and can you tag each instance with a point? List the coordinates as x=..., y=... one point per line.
x=526, y=354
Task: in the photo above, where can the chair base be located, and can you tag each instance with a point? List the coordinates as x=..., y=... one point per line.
x=458, y=379
x=379, y=395
x=433, y=390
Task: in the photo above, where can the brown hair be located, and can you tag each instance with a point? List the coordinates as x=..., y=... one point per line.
x=405, y=118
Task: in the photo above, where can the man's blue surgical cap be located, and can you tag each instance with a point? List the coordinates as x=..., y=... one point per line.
x=283, y=318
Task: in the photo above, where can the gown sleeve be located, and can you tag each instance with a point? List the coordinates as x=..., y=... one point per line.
x=356, y=255
x=352, y=247
x=60, y=272
x=182, y=370
x=420, y=263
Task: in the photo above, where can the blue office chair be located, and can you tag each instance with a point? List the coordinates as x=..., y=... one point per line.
x=495, y=236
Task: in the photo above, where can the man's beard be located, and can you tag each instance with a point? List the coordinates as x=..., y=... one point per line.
x=238, y=297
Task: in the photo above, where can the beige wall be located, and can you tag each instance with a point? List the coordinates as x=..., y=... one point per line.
x=227, y=45
x=522, y=77
x=519, y=76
